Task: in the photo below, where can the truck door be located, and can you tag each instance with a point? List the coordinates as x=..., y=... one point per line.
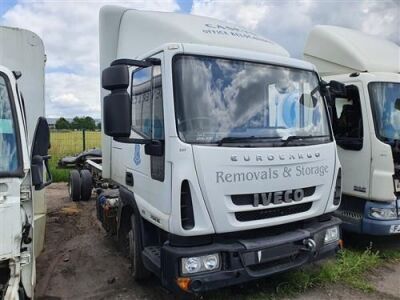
x=352, y=138
x=146, y=174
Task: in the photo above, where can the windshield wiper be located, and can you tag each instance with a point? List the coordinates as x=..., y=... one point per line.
x=238, y=139
x=287, y=140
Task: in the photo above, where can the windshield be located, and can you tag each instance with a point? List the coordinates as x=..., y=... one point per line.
x=386, y=117
x=8, y=142
x=221, y=99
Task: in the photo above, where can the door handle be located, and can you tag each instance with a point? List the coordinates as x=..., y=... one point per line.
x=129, y=178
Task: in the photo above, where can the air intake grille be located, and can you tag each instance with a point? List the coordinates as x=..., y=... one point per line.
x=187, y=217
x=245, y=216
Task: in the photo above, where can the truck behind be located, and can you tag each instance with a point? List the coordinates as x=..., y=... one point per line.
x=366, y=124
x=24, y=143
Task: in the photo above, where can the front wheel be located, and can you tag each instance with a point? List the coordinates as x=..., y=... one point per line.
x=139, y=271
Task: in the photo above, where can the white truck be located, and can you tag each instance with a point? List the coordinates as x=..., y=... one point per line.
x=24, y=143
x=220, y=146
x=366, y=124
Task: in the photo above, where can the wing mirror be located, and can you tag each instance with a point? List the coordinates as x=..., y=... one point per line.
x=40, y=155
x=337, y=89
x=397, y=104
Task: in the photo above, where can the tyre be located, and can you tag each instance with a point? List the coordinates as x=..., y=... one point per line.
x=74, y=185
x=86, y=185
x=139, y=271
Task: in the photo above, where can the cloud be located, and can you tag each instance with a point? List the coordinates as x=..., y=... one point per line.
x=289, y=22
x=69, y=30
x=70, y=33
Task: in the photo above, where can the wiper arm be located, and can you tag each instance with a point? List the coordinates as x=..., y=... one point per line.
x=290, y=138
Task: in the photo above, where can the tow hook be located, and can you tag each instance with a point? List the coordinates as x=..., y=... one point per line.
x=310, y=245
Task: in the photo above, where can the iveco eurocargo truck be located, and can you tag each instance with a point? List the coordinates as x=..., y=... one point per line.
x=221, y=147
x=366, y=124
x=24, y=143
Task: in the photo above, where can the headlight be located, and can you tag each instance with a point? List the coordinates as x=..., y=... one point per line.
x=383, y=213
x=198, y=264
x=332, y=235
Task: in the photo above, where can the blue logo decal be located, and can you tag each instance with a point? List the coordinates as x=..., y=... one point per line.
x=136, y=157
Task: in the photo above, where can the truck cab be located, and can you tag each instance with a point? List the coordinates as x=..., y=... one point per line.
x=222, y=149
x=366, y=124
x=23, y=163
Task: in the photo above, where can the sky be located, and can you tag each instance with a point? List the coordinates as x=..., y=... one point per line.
x=69, y=30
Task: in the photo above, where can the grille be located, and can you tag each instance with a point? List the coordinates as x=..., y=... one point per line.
x=245, y=216
x=248, y=199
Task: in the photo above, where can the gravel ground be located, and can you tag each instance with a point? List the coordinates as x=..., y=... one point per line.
x=81, y=262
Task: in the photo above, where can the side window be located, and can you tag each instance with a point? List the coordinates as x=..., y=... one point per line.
x=9, y=162
x=142, y=102
x=349, y=123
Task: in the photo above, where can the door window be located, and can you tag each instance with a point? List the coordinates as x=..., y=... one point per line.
x=9, y=159
x=349, y=124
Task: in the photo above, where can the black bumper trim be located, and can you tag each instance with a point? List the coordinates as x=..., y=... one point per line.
x=241, y=259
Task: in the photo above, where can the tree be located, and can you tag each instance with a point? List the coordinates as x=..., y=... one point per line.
x=62, y=123
x=80, y=123
x=98, y=126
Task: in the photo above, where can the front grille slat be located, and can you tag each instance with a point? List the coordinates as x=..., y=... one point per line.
x=245, y=216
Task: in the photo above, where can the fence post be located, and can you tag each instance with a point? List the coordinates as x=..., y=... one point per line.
x=84, y=139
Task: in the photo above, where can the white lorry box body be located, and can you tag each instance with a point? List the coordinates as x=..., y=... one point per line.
x=21, y=207
x=370, y=68
x=230, y=186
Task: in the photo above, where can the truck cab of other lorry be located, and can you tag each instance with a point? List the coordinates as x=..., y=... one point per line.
x=23, y=165
x=221, y=146
x=366, y=123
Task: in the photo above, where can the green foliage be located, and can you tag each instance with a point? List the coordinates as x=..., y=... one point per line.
x=62, y=123
x=80, y=123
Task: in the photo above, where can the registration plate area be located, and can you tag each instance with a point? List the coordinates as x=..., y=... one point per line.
x=263, y=256
x=394, y=229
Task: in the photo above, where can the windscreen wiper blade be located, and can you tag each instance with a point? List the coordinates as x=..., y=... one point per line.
x=290, y=138
x=238, y=139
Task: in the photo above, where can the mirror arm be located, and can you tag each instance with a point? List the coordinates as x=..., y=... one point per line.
x=132, y=141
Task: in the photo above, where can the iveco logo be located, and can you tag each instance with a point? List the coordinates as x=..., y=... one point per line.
x=288, y=196
x=272, y=157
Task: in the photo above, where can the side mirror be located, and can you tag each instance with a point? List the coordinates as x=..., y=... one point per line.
x=154, y=148
x=337, y=89
x=397, y=104
x=40, y=155
x=117, y=106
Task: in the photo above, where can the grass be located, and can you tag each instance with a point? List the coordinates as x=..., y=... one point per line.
x=64, y=143
x=349, y=269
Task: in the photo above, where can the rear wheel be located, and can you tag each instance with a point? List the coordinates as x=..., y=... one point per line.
x=86, y=185
x=139, y=271
x=74, y=185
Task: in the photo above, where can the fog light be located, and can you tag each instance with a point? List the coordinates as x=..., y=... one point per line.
x=191, y=265
x=331, y=235
x=211, y=262
x=198, y=264
x=383, y=213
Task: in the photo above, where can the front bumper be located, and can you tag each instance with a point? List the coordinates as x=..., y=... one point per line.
x=365, y=224
x=249, y=258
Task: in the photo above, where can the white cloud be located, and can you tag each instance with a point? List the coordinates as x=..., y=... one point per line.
x=69, y=30
x=70, y=33
x=289, y=22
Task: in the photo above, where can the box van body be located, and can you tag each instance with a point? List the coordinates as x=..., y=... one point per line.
x=221, y=146
x=22, y=206
x=366, y=124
